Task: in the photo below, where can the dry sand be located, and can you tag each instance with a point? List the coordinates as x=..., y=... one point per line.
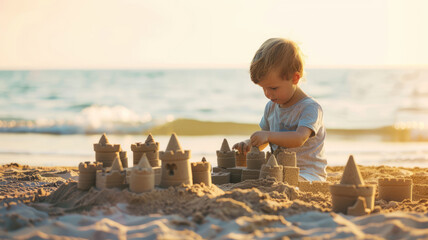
x=44, y=203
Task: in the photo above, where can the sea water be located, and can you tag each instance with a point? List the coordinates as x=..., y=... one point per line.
x=57, y=114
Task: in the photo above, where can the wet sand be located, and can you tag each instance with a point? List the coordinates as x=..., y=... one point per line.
x=44, y=202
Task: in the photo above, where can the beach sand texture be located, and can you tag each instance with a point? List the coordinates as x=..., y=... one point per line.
x=44, y=203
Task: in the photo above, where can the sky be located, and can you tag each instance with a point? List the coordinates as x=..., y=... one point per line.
x=141, y=34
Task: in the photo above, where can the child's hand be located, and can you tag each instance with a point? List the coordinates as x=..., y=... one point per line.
x=242, y=147
x=259, y=138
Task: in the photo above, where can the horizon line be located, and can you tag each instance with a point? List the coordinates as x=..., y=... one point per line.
x=168, y=67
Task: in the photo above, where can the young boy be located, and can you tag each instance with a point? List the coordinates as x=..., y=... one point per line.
x=292, y=120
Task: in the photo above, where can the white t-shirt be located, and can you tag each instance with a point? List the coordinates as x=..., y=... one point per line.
x=308, y=113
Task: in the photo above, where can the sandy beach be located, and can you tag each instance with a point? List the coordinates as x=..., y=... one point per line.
x=44, y=203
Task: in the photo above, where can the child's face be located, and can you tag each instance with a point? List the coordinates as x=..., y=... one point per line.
x=278, y=89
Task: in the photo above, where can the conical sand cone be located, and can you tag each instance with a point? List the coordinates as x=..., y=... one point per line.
x=117, y=165
x=351, y=174
x=144, y=162
x=225, y=146
x=150, y=139
x=173, y=144
x=272, y=161
x=103, y=140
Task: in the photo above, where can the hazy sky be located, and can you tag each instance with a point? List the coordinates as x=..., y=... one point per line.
x=52, y=34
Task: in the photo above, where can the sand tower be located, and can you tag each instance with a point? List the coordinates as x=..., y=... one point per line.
x=111, y=177
x=395, y=189
x=124, y=159
x=150, y=148
x=201, y=172
x=272, y=169
x=175, y=164
x=255, y=158
x=285, y=158
x=88, y=174
x=225, y=157
x=290, y=170
x=345, y=194
x=142, y=176
x=106, y=152
x=240, y=159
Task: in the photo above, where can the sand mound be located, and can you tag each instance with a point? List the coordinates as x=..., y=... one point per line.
x=251, y=197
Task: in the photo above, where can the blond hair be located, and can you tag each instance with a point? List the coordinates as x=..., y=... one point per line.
x=277, y=53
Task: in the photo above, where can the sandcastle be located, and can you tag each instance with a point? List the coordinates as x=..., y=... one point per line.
x=176, y=168
x=289, y=163
x=225, y=157
x=111, y=177
x=255, y=158
x=272, y=169
x=201, y=172
x=351, y=193
x=395, y=189
x=105, y=152
x=142, y=176
x=150, y=148
x=87, y=174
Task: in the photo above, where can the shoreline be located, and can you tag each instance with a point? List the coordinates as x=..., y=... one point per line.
x=199, y=128
x=68, y=150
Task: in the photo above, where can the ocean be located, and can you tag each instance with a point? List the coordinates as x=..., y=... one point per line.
x=52, y=117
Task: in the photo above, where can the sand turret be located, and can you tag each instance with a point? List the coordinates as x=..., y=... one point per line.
x=87, y=174
x=142, y=176
x=272, y=169
x=288, y=161
x=124, y=159
x=106, y=152
x=150, y=148
x=225, y=157
x=240, y=159
x=255, y=158
x=175, y=164
x=111, y=177
x=351, y=187
x=285, y=158
x=201, y=172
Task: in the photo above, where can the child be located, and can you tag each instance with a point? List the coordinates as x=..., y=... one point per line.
x=292, y=120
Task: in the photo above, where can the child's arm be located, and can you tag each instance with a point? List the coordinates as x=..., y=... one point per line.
x=245, y=146
x=289, y=139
